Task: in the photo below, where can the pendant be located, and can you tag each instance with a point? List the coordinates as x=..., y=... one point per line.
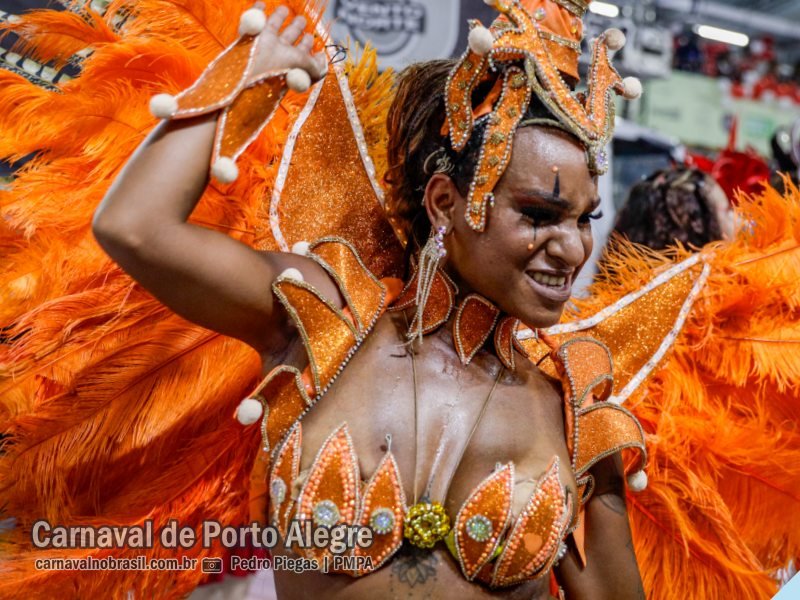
x=426, y=524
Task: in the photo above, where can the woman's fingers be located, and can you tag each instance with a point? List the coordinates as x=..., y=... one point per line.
x=316, y=65
x=321, y=61
x=306, y=43
x=276, y=19
x=294, y=29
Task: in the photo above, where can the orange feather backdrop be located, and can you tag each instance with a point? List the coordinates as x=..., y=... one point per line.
x=119, y=411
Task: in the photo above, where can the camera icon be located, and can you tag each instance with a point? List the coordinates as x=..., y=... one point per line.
x=211, y=565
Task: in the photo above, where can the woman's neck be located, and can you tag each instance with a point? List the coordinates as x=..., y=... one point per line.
x=473, y=321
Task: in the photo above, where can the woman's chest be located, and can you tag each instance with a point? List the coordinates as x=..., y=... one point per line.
x=447, y=427
x=417, y=447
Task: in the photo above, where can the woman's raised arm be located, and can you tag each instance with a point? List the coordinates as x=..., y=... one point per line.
x=203, y=275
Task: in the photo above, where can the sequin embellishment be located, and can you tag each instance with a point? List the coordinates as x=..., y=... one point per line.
x=382, y=521
x=479, y=528
x=277, y=491
x=426, y=524
x=326, y=513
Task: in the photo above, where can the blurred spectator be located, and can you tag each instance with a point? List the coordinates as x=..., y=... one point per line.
x=688, y=56
x=786, y=154
x=678, y=204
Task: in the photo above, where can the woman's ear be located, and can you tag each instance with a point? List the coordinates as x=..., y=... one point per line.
x=441, y=196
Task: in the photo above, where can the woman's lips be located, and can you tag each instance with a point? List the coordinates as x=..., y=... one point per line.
x=556, y=288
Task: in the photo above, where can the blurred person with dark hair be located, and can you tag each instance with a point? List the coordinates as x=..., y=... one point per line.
x=676, y=205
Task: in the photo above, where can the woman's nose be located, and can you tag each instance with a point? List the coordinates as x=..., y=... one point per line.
x=567, y=246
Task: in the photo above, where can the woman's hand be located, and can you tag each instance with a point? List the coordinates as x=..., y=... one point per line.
x=279, y=50
x=204, y=275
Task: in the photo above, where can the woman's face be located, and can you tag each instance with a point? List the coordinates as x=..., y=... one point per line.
x=538, y=235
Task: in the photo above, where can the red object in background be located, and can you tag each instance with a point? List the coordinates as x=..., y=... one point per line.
x=785, y=90
x=765, y=84
x=734, y=170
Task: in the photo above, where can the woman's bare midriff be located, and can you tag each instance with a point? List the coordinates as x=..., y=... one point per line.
x=410, y=575
x=375, y=396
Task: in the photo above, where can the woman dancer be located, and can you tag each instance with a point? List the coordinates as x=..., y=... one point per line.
x=406, y=407
x=449, y=423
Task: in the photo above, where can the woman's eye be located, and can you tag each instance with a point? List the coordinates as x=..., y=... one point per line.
x=538, y=215
x=589, y=217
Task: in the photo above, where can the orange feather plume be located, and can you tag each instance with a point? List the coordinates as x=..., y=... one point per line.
x=719, y=517
x=119, y=411
x=57, y=36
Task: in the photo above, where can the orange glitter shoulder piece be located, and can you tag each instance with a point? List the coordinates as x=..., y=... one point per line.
x=330, y=337
x=605, y=429
x=364, y=293
x=325, y=330
x=286, y=395
x=595, y=428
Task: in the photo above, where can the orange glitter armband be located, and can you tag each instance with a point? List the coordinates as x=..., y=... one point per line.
x=247, y=100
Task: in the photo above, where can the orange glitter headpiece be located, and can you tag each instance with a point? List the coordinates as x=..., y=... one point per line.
x=531, y=48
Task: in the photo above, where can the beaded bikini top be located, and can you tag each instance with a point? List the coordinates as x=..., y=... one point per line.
x=492, y=545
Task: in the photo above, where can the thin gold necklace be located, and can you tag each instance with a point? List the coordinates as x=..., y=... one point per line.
x=427, y=522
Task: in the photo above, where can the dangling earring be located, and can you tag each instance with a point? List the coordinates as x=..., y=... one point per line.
x=430, y=256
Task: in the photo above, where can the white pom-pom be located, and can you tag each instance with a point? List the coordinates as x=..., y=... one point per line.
x=249, y=411
x=224, y=170
x=637, y=482
x=301, y=248
x=631, y=88
x=292, y=273
x=481, y=41
x=163, y=106
x=298, y=80
x=252, y=22
x=615, y=39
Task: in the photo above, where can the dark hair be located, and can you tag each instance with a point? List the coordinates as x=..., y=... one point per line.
x=671, y=205
x=414, y=126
